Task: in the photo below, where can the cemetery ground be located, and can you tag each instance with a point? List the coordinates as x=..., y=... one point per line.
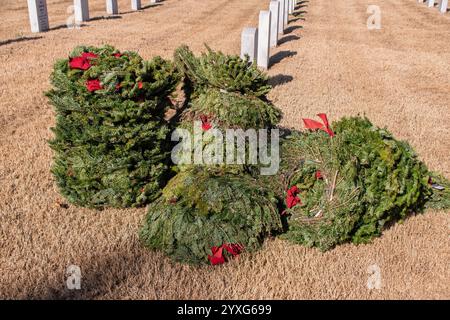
x=328, y=61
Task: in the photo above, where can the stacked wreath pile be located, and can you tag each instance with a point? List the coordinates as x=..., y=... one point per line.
x=206, y=210
x=337, y=183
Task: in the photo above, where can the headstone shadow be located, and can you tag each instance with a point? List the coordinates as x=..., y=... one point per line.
x=291, y=29
x=99, y=275
x=280, y=79
x=288, y=38
x=21, y=39
x=296, y=19
x=63, y=26
x=153, y=5
x=299, y=13
x=112, y=17
x=281, y=55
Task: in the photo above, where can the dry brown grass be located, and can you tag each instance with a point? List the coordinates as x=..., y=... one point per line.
x=397, y=76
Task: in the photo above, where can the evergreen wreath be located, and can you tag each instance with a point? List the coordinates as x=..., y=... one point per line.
x=205, y=214
x=111, y=141
x=227, y=90
x=347, y=182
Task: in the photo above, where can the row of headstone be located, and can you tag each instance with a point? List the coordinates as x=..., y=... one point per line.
x=442, y=5
x=37, y=10
x=256, y=42
x=81, y=10
x=112, y=7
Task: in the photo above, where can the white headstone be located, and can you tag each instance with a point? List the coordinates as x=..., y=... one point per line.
x=274, y=8
x=112, y=7
x=443, y=6
x=430, y=3
x=135, y=5
x=37, y=10
x=249, y=43
x=81, y=10
x=281, y=17
x=286, y=12
x=154, y=1
x=264, y=39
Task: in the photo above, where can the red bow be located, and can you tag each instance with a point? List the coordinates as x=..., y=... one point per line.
x=319, y=174
x=292, y=199
x=206, y=125
x=233, y=249
x=82, y=62
x=219, y=258
x=93, y=85
x=313, y=124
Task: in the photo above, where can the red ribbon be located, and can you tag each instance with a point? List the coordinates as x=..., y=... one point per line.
x=206, y=125
x=82, y=62
x=217, y=257
x=314, y=125
x=319, y=174
x=217, y=252
x=93, y=85
x=292, y=199
x=233, y=248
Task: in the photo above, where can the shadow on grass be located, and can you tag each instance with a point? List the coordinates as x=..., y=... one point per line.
x=289, y=38
x=291, y=29
x=142, y=8
x=279, y=56
x=280, y=79
x=65, y=26
x=296, y=19
x=21, y=39
x=99, y=275
x=299, y=13
x=112, y=17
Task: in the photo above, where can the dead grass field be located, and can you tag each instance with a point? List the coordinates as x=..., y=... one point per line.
x=328, y=61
